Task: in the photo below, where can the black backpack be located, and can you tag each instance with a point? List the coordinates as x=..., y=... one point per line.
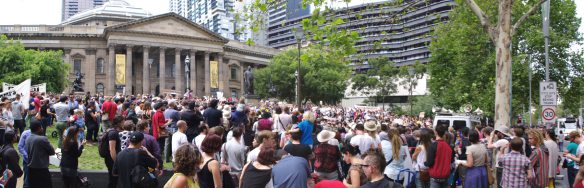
x=141, y=178
x=103, y=146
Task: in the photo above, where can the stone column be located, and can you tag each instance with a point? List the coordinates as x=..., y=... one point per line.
x=221, y=69
x=145, y=70
x=242, y=77
x=111, y=73
x=67, y=52
x=179, y=75
x=129, y=49
x=162, y=69
x=193, y=76
x=207, y=75
x=89, y=82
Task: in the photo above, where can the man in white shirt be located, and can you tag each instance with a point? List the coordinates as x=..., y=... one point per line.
x=264, y=138
x=179, y=137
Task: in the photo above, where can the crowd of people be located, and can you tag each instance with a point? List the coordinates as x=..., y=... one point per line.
x=215, y=143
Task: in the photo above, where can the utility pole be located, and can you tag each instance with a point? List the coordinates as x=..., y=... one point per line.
x=545, y=10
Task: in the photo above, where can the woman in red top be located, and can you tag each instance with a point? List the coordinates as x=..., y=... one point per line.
x=579, y=183
x=159, y=122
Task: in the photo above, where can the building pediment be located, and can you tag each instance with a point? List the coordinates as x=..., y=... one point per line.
x=167, y=24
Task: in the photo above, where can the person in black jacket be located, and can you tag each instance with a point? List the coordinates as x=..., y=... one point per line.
x=10, y=158
x=193, y=117
x=71, y=152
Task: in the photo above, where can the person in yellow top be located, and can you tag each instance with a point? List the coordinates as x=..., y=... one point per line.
x=186, y=160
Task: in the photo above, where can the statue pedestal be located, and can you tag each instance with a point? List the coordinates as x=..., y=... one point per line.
x=252, y=99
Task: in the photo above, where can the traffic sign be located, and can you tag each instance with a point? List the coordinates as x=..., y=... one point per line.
x=548, y=114
x=548, y=94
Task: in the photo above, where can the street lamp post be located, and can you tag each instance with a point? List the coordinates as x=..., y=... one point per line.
x=187, y=71
x=298, y=34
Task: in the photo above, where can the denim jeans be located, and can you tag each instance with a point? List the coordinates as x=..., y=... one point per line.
x=438, y=183
x=572, y=175
x=420, y=184
x=25, y=175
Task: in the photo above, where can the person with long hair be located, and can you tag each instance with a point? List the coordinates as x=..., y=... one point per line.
x=10, y=158
x=258, y=173
x=395, y=153
x=70, y=157
x=210, y=174
x=476, y=161
x=186, y=161
x=355, y=177
x=551, y=144
x=539, y=159
x=419, y=157
x=579, y=180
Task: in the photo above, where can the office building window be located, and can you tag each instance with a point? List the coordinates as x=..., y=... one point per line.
x=99, y=88
x=77, y=66
x=233, y=73
x=99, y=66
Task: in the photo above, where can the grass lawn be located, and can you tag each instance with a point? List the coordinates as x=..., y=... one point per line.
x=90, y=159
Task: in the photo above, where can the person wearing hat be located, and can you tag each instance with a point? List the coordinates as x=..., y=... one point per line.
x=131, y=157
x=365, y=141
x=38, y=149
x=326, y=156
x=500, y=146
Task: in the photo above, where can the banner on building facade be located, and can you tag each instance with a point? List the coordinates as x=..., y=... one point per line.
x=120, y=69
x=23, y=89
x=42, y=88
x=214, y=69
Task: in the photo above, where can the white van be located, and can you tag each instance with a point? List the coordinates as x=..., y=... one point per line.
x=457, y=120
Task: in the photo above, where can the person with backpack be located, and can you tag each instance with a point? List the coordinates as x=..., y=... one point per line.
x=109, y=147
x=133, y=165
x=10, y=158
x=38, y=149
x=439, y=162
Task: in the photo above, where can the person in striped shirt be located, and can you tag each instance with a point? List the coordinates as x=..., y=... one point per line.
x=539, y=159
x=516, y=167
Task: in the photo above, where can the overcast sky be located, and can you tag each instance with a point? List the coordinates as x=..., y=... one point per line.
x=49, y=11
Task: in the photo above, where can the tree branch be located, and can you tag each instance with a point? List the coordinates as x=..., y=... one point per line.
x=524, y=17
x=483, y=18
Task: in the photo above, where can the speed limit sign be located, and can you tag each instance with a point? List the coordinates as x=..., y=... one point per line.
x=548, y=114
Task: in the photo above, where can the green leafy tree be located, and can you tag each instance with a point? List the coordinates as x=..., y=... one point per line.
x=324, y=76
x=466, y=65
x=18, y=64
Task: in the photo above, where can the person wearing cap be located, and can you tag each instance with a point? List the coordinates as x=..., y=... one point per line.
x=326, y=156
x=134, y=155
x=499, y=147
x=38, y=149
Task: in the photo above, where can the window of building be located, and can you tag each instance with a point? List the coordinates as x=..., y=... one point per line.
x=99, y=66
x=172, y=71
x=233, y=73
x=77, y=66
x=234, y=93
x=99, y=88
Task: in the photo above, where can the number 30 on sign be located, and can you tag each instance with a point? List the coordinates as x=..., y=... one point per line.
x=548, y=114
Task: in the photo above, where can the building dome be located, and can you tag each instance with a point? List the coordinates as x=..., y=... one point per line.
x=115, y=11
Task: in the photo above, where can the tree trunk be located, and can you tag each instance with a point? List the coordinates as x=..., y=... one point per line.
x=502, y=37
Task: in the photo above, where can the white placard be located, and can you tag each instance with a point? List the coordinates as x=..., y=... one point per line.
x=548, y=94
x=23, y=89
x=42, y=88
